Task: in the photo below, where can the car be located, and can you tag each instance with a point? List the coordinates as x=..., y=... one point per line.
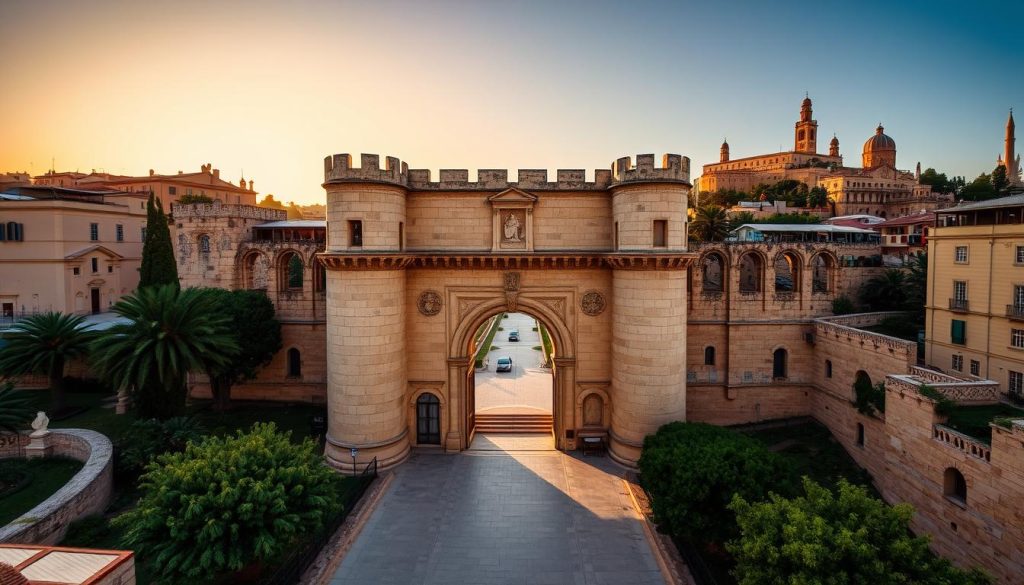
x=513, y=335
x=504, y=364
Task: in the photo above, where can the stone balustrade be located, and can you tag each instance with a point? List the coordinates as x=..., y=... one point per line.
x=849, y=327
x=973, y=447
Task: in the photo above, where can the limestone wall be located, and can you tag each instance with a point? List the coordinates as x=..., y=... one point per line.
x=87, y=493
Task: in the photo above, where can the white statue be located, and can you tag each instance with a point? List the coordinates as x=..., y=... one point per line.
x=512, y=228
x=39, y=426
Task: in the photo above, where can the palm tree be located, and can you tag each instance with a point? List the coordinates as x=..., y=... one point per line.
x=886, y=292
x=43, y=344
x=15, y=409
x=168, y=334
x=710, y=223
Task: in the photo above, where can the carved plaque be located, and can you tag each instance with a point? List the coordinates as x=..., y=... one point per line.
x=429, y=303
x=513, y=228
x=592, y=303
x=511, y=281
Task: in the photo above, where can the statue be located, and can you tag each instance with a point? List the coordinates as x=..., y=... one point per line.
x=512, y=228
x=40, y=424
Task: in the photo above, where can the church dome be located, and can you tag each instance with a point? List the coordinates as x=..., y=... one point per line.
x=834, y=142
x=879, y=142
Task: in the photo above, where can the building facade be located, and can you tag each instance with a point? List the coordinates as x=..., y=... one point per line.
x=975, y=310
x=68, y=250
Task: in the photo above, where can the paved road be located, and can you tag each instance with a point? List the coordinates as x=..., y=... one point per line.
x=528, y=386
x=503, y=518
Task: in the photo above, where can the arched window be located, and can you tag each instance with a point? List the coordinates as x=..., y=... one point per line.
x=828, y=368
x=711, y=270
x=955, y=486
x=294, y=366
x=428, y=419
x=751, y=273
x=290, y=272
x=709, y=356
x=821, y=274
x=204, y=249
x=860, y=435
x=787, y=272
x=779, y=359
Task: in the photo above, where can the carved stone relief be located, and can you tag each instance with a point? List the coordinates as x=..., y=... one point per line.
x=513, y=228
x=511, y=285
x=429, y=303
x=592, y=303
x=259, y=272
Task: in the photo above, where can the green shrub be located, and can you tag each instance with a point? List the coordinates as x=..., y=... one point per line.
x=869, y=398
x=86, y=532
x=943, y=406
x=229, y=502
x=145, y=439
x=843, y=537
x=693, y=470
x=842, y=305
x=501, y=328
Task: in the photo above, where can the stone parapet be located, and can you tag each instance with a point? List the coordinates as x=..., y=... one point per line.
x=219, y=209
x=87, y=493
x=848, y=327
x=959, y=391
x=338, y=168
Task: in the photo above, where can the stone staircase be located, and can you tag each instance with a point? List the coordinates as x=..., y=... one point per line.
x=513, y=423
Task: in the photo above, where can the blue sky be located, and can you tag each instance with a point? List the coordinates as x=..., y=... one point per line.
x=272, y=87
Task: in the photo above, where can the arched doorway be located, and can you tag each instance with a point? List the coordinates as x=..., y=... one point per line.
x=428, y=419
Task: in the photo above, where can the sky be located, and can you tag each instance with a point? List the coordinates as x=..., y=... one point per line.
x=269, y=89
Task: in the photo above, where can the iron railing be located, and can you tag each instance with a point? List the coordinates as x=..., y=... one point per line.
x=295, y=564
x=958, y=305
x=1015, y=312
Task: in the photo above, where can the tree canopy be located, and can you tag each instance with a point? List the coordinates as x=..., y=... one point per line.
x=840, y=538
x=710, y=224
x=227, y=502
x=44, y=344
x=158, y=264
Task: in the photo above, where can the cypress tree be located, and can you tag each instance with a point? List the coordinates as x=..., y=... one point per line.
x=158, y=265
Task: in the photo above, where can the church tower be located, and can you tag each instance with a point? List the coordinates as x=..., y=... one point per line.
x=833, y=147
x=1010, y=160
x=723, y=153
x=806, y=130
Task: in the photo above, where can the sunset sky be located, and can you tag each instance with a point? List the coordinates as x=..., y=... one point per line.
x=272, y=87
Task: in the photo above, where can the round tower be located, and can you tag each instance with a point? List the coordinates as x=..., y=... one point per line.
x=833, y=146
x=366, y=368
x=723, y=152
x=648, y=386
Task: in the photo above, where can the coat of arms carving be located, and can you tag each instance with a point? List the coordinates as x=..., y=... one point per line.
x=592, y=303
x=429, y=303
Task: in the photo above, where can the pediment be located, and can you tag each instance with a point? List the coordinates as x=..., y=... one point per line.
x=96, y=248
x=513, y=195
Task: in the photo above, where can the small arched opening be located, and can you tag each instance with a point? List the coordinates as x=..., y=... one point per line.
x=712, y=269
x=828, y=368
x=428, y=419
x=779, y=363
x=751, y=273
x=787, y=272
x=822, y=267
x=709, y=355
x=955, y=486
x=290, y=272
x=293, y=367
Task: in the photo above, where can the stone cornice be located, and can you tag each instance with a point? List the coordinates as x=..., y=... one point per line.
x=538, y=260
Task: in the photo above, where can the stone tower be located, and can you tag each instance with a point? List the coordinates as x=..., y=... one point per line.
x=723, y=152
x=649, y=308
x=366, y=313
x=833, y=146
x=1010, y=160
x=806, y=130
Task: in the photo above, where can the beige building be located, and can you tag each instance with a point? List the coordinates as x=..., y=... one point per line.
x=975, y=310
x=68, y=250
x=878, y=188
x=168, y=188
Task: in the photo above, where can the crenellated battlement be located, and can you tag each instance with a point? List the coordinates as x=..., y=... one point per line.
x=338, y=168
x=220, y=209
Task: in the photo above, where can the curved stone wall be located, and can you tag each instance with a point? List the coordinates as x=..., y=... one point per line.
x=87, y=493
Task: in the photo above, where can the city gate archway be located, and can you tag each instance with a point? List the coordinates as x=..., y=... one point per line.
x=415, y=267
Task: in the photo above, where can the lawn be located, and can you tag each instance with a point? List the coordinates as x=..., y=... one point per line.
x=814, y=452
x=974, y=420
x=26, y=483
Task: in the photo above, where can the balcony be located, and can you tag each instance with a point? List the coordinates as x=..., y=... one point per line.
x=1015, y=312
x=958, y=305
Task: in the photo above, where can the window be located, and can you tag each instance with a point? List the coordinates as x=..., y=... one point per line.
x=1017, y=338
x=94, y=232
x=955, y=486
x=1020, y=254
x=958, y=363
x=401, y=236
x=1016, y=383
x=142, y=233
x=711, y=273
x=959, y=290
x=428, y=419
x=860, y=435
x=751, y=273
x=110, y=268
x=95, y=265
x=295, y=270
x=660, y=233
x=76, y=271
x=616, y=243
x=120, y=232
x=12, y=232
x=975, y=367
x=960, y=256
x=958, y=332
x=828, y=368
x=355, y=232
x=779, y=363
x=204, y=246
x=172, y=190
x=294, y=366
x=1018, y=297
x=709, y=356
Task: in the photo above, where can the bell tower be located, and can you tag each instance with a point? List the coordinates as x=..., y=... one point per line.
x=806, y=130
x=723, y=153
x=1010, y=160
x=833, y=147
